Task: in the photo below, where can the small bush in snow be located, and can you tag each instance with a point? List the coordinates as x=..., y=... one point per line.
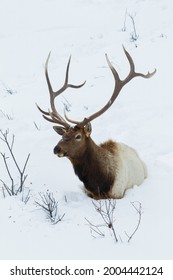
x=106, y=209
x=15, y=187
x=133, y=35
x=50, y=207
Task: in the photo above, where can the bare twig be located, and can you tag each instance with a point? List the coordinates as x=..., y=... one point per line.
x=50, y=207
x=106, y=210
x=134, y=36
x=22, y=175
x=6, y=115
x=12, y=189
x=125, y=18
x=36, y=126
x=95, y=228
x=66, y=104
x=9, y=189
x=59, y=219
x=139, y=211
x=5, y=187
x=107, y=214
x=10, y=91
x=26, y=198
x=3, y=191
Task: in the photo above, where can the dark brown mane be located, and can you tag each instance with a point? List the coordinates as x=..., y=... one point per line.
x=90, y=168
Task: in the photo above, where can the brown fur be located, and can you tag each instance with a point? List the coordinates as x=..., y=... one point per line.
x=90, y=168
x=110, y=145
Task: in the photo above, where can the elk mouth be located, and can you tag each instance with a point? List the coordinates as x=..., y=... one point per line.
x=59, y=152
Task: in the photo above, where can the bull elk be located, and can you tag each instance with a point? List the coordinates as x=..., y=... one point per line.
x=106, y=170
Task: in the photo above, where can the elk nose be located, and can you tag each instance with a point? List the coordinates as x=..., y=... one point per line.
x=56, y=150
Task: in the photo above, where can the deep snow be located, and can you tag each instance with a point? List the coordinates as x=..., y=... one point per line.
x=141, y=117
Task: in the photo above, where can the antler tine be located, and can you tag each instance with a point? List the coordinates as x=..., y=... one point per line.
x=109, y=103
x=55, y=119
x=118, y=86
x=54, y=115
x=42, y=111
x=66, y=84
x=79, y=124
x=132, y=72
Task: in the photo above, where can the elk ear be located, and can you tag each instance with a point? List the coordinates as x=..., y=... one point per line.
x=59, y=129
x=88, y=129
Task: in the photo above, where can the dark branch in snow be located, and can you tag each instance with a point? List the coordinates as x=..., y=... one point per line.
x=50, y=207
x=106, y=210
x=14, y=188
x=139, y=211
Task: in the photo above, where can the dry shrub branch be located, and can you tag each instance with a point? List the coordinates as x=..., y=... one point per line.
x=15, y=186
x=106, y=209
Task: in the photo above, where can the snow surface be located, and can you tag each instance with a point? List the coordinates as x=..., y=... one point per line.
x=142, y=117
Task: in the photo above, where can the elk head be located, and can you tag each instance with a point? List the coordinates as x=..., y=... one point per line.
x=75, y=138
x=74, y=141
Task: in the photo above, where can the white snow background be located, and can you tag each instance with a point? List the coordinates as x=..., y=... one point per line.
x=141, y=117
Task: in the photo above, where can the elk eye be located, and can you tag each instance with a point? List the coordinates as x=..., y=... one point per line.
x=78, y=137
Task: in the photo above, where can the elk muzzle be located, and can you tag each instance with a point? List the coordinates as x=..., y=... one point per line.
x=58, y=151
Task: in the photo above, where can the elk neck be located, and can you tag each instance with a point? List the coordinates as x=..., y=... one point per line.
x=95, y=167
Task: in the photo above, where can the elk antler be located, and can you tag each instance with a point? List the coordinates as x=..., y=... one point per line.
x=118, y=86
x=53, y=115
